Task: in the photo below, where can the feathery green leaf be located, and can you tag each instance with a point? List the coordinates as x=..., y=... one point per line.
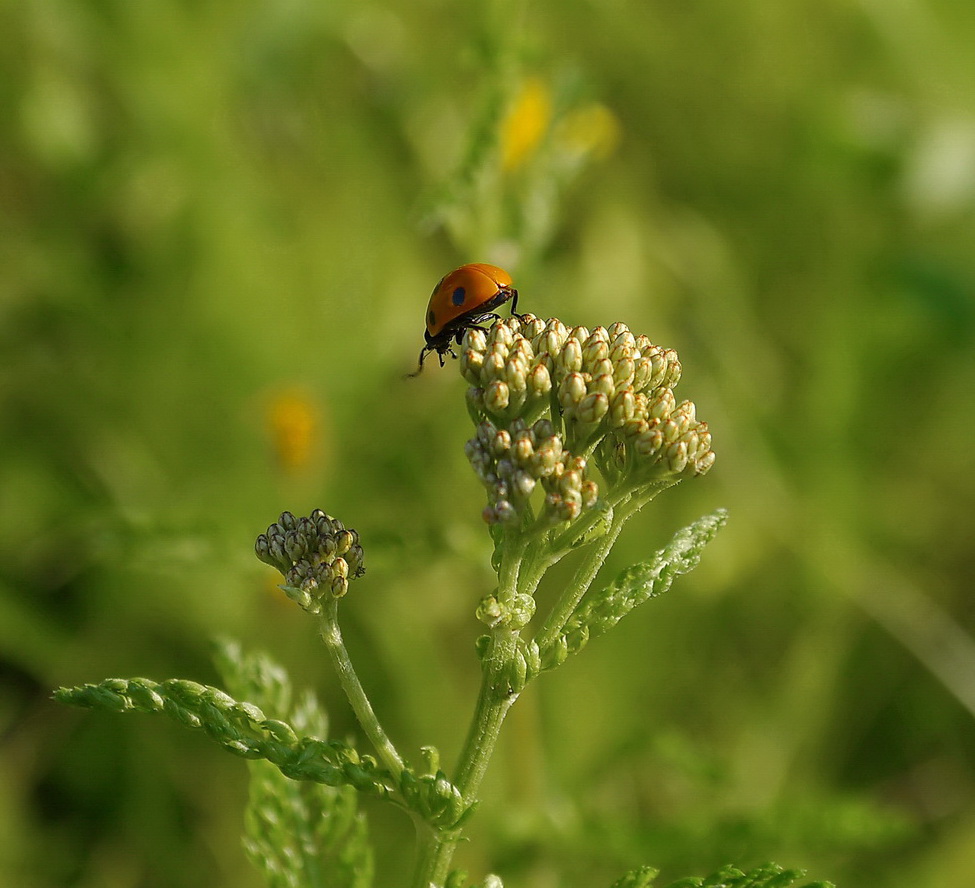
x=298, y=834
x=633, y=586
x=240, y=728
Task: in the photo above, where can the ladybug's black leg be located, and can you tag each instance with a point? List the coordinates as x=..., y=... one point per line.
x=514, y=304
x=459, y=335
x=447, y=350
x=477, y=325
x=419, y=366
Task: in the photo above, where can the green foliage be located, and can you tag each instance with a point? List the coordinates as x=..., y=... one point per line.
x=204, y=207
x=240, y=728
x=298, y=833
x=638, y=878
x=769, y=875
x=633, y=586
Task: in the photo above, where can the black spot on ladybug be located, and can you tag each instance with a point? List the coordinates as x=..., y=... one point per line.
x=431, y=319
x=458, y=296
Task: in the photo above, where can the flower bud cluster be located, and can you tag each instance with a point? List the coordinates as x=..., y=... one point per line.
x=604, y=382
x=664, y=438
x=511, y=463
x=316, y=555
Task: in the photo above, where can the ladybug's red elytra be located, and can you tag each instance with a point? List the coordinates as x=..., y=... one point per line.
x=465, y=298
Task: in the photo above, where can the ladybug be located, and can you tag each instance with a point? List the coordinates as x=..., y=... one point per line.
x=463, y=299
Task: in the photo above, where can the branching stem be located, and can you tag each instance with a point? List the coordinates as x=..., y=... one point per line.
x=582, y=580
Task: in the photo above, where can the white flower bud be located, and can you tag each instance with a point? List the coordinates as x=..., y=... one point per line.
x=496, y=397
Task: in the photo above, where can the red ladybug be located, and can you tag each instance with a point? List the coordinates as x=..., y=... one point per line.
x=465, y=298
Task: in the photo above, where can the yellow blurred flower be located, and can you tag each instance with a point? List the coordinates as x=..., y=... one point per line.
x=591, y=130
x=294, y=425
x=526, y=123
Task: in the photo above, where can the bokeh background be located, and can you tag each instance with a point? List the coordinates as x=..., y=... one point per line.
x=219, y=225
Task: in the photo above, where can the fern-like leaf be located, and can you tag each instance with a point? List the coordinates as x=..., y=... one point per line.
x=768, y=875
x=632, y=587
x=639, y=878
x=240, y=728
x=298, y=834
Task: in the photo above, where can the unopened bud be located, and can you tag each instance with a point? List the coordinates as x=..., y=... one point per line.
x=497, y=397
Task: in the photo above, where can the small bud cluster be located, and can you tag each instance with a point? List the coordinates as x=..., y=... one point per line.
x=664, y=438
x=602, y=383
x=316, y=555
x=502, y=366
x=434, y=797
x=512, y=462
x=515, y=615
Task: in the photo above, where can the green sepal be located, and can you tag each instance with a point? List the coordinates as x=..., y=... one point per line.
x=430, y=756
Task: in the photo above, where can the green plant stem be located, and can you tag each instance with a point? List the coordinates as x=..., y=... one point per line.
x=435, y=849
x=545, y=551
x=586, y=572
x=493, y=702
x=495, y=698
x=332, y=636
x=625, y=504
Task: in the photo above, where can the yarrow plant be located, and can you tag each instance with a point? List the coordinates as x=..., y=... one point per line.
x=575, y=431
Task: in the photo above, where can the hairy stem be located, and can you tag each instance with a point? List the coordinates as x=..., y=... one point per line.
x=495, y=698
x=435, y=849
x=586, y=572
x=332, y=636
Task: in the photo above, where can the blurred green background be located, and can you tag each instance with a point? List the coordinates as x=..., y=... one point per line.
x=219, y=225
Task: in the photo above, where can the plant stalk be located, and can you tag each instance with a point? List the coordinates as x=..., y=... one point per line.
x=332, y=636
